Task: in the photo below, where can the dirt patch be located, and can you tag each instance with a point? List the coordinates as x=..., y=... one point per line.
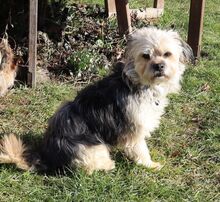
x=80, y=45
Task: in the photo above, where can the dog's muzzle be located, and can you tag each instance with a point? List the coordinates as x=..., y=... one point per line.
x=158, y=69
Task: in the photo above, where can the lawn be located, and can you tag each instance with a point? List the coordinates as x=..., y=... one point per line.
x=187, y=141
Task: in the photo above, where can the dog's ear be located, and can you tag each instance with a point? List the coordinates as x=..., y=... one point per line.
x=16, y=61
x=129, y=51
x=118, y=66
x=130, y=73
x=187, y=53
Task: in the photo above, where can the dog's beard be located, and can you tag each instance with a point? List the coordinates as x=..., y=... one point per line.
x=159, y=74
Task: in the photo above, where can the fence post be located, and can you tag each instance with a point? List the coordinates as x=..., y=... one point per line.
x=196, y=25
x=123, y=16
x=32, y=55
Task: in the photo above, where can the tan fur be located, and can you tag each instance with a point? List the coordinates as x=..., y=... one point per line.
x=8, y=68
x=93, y=158
x=12, y=150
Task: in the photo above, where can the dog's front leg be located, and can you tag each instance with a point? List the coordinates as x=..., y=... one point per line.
x=140, y=154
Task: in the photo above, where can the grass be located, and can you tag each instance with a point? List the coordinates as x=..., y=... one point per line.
x=187, y=141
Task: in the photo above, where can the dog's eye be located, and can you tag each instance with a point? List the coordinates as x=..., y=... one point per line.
x=146, y=56
x=167, y=54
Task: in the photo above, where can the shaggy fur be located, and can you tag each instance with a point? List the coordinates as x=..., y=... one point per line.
x=120, y=111
x=12, y=150
x=8, y=67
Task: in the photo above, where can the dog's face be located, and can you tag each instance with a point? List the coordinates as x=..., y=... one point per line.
x=157, y=55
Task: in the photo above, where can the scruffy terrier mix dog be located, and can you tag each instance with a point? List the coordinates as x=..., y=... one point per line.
x=120, y=110
x=8, y=67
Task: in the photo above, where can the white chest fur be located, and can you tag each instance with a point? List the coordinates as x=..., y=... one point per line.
x=145, y=110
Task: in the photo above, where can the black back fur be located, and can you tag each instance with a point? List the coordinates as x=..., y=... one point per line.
x=97, y=115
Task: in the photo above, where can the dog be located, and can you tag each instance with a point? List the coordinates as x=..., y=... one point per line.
x=121, y=110
x=8, y=67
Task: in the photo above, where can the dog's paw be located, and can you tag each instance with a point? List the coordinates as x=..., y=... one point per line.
x=110, y=166
x=150, y=164
x=155, y=166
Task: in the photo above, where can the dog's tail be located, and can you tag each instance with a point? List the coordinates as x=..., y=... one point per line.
x=13, y=151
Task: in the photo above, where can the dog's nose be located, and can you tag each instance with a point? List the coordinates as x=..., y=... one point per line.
x=158, y=67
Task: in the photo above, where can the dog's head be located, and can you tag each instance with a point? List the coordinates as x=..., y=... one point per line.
x=157, y=56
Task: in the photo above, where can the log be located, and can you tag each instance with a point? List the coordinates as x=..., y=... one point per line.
x=110, y=7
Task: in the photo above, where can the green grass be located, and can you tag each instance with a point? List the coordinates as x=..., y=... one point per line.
x=187, y=142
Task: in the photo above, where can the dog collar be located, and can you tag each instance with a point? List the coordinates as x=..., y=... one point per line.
x=157, y=102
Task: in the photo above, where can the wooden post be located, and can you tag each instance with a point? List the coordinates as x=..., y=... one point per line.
x=196, y=25
x=110, y=8
x=123, y=16
x=32, y=58
x=159, y=4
